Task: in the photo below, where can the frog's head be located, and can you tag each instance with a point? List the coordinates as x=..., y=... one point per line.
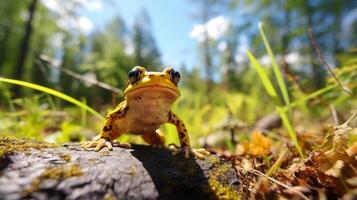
x=157, y=84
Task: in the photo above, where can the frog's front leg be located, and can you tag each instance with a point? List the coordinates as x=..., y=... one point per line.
x=109, y=133
x=184, y=139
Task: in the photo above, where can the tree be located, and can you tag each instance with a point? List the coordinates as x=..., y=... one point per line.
x=207, y=9
x=10, y=33
x=24, y=46
x=146, y=52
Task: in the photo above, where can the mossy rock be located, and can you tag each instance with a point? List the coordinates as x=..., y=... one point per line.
x=49, y=171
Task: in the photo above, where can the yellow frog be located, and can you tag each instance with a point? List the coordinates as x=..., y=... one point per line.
x=148, y=98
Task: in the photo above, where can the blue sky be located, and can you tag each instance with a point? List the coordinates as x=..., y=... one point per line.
x=171, y=24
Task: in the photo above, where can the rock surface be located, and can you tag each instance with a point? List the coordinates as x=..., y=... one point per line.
x=69, y=172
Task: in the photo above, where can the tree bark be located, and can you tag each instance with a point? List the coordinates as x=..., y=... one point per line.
x=24, y=46
x=142, y=172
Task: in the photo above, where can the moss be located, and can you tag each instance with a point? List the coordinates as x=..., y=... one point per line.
x=219, y=190
x=10, y=145
x=57, y=173
x=104, y=153
x=61, y=172
x=65, y=157
x=213, y=159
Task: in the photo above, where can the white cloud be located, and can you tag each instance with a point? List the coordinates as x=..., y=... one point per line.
x=239, y=58
x=82, y=24
x=222, y=46
x=292, y=58
x=129, y=50
x=51, y=4
x=59, y=6
x=265, y=60
x=213, y=29
x=85, y=25
x=68, y=17
x=57, y=40
x=94, y=5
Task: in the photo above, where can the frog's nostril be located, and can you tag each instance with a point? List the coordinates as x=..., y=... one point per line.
x=151, y=75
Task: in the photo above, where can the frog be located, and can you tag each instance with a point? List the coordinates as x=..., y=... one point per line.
x=148, y=97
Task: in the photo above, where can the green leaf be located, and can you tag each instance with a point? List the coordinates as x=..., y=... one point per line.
x=54, y=93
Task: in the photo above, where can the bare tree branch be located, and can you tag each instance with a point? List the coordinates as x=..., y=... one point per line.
x=47, y=60
x=323, y=61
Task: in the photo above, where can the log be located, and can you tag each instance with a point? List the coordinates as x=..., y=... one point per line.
x=35, y=170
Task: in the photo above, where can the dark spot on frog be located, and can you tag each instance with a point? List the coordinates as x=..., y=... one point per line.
x=162, y=75
x=107, y=128
x=182, y=134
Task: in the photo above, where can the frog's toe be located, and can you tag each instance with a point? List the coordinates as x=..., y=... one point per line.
x=199, y=153
x=185, y=150
x=122, y=144
x=88, y=144
x=103, y=143
x=98, y=144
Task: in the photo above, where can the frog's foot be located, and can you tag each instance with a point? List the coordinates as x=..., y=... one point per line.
x=199, y=153
x=98, y=143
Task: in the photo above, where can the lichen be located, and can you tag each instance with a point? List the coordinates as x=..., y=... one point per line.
x=61, y=172
x=219, y=190
x=213, y=159
x=104, y=153
x=56, y=173
x=65, y=157
x=10, y=145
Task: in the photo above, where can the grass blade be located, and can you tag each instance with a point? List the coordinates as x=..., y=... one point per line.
x=271, y=91
x=54, y=93
x=310, y=96
x=263, y=76
x=289, y=128
x=277, y=72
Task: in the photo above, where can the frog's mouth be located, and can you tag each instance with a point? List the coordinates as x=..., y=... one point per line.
x=153, y=89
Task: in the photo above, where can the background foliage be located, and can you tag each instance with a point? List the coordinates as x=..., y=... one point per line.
x=231, y=90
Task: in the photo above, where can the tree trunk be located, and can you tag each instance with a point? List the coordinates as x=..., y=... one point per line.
x=35, y=171
x=24, y=46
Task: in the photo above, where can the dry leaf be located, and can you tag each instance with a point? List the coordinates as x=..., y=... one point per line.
x=352, y=150
x=352, y=181
x=335, y=171
x=340, y=136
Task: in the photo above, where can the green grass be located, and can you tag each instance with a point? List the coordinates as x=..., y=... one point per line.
x=273, y=94
x=277, y=72
x=263, y=75
x=52, y=92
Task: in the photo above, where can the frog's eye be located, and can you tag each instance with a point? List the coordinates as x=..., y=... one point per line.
x=134, y=75
x=175, y=76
